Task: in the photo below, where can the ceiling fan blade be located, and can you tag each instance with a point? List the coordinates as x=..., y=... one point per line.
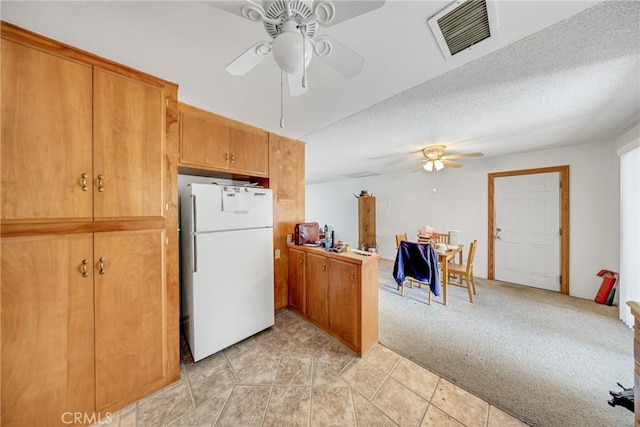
x=331, y=13
x=338, y=56
x=420, y=166
x=245, y=9
x=451, y=164
x=462, y=156
x=249, y=59
x=295, y=84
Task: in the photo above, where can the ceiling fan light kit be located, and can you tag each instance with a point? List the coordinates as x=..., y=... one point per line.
x=436, y=159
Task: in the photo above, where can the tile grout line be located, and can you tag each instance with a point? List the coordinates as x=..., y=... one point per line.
x=266, y=408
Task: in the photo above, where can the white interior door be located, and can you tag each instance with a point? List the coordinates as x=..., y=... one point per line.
x=527, y=233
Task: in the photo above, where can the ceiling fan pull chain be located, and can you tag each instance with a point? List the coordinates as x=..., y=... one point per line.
x=281, y=99
x=304, y=55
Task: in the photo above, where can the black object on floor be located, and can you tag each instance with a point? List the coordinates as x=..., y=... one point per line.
x=623, y=398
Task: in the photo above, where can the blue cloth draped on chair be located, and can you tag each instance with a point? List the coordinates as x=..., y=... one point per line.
x=418, y=261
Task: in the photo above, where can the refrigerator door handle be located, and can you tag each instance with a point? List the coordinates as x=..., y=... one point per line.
x=193, y=213
x=194, y=243
x=194, y=267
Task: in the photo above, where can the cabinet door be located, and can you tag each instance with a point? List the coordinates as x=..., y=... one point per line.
x=249, y=150
x=317, y=291
x=297, y=294
x=46, y=136
x=128, y=148
x=344, y=300
x=130, y=313
x=47, y=329
x=204, y=139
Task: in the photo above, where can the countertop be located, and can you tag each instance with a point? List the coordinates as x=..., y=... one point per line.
x=343, y=256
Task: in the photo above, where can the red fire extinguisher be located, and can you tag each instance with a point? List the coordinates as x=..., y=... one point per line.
x=606, y=291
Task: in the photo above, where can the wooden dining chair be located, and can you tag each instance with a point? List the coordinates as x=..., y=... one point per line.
x=411, y=280
x=400, y=238
x=465, y=273
x=441, y=238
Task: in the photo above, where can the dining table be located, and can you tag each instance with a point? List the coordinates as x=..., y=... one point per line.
x=443, y=260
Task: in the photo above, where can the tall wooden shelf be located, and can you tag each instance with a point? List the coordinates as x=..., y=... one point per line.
x=367, y=221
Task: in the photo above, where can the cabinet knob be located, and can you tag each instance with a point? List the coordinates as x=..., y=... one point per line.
x=100, y=183
x=233, y=157
x=324, y=266
x=101, y=269
x=353, y=277
x=226, y=156
x=84, y=182
x=83, y=268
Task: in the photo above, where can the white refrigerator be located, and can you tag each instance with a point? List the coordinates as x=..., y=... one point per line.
x=227, y=264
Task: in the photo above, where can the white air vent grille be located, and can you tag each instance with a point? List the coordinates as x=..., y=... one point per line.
x=463, y=24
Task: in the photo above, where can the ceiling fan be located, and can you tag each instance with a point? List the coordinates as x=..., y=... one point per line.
x=435, y=158
x=292, y=26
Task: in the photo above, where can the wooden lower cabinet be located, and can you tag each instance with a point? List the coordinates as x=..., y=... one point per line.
x=129, y=313
x=344, y=298
x=317, y=280
x=297, y=294
x=83, y=324
x=47, y=329
x=339, y=292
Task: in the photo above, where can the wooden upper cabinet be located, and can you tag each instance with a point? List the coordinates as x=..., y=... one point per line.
x=47, y=329
x=130, y=314
x=129, y=122
x=204, y=138
x=212, y=142
x=46, y=136
x=249, y=149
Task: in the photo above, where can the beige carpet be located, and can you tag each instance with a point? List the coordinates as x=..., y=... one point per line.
x=545, y=358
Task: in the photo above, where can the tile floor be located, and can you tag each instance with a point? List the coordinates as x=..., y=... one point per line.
x=295, y=375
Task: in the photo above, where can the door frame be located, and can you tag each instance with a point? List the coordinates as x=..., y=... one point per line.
x=564, y=220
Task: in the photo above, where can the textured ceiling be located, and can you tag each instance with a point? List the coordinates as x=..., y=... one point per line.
x=557, y=73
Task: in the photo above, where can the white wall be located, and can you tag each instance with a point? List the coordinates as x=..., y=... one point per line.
x=405, y=201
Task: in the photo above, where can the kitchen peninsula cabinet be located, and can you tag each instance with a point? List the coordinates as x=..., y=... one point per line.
x=89, y=232
x=345, y=291
x=317, y=280
x=212, y=142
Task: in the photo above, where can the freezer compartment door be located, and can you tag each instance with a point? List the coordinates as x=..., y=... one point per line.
x=219, y=207
x=232, y=289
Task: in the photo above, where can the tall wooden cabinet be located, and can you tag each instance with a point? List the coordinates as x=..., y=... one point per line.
x=286, y=179
x=89, y=232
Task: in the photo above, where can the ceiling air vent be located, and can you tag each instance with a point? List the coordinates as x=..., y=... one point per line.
x=463, y=24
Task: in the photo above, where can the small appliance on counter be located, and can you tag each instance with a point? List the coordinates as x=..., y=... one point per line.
x=307, y=233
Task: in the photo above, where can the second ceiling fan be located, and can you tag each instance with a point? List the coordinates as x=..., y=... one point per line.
x=436, y=159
